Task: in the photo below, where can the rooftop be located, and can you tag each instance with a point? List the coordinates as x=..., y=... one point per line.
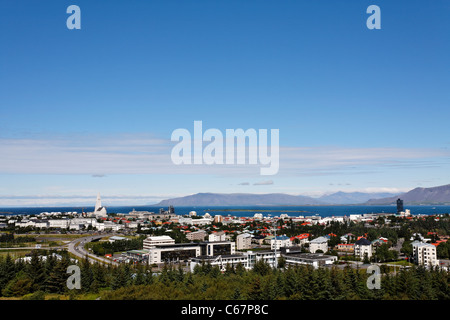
x=309, y=256
x=363, y=242
x=319, y=240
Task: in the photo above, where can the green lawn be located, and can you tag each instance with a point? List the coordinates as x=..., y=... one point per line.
x=403, y=263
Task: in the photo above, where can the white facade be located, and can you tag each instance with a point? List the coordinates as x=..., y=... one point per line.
x=99, y=210
x=313, y=259
x=362, y=250
x=217, y=236
x=320, y=243
x=151, y=242
x=280, y=242
x=198, y=222
x=425, y=254
x=243, y=241
x=58, y=223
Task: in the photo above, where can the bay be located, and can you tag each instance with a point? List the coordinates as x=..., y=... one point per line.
x=244, y=211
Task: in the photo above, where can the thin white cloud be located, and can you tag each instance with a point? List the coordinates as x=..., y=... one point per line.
x=144, y=154
x=263, y=183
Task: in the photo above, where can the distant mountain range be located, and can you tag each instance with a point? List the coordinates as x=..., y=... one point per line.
x=270, y=199
x=353, y=197
x=239, y=199
x=432, y=196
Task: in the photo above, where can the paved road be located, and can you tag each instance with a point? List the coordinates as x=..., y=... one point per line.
x=76, y=247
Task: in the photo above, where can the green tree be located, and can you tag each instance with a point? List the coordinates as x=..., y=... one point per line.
x=35, y=270
x=21, y=285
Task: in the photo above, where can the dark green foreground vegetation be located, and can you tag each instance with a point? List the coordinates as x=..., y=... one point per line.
x=37, y=279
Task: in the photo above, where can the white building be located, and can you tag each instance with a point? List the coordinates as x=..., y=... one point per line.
x=35, y=223
x=280, y=242
x=355, y=217
x=217, y=236
x=153, y=241
x=258, y=216
x=243, y=241
x=197, y=222
x=424, y=254
x=99, y=210
x=313, y=259
x=320, y=243
x=108, y=225
x=186, y=251
x=58, y=223
x=249, y=259
x=362, y=248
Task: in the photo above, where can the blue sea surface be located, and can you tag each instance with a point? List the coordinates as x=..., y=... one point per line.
x=246, y=211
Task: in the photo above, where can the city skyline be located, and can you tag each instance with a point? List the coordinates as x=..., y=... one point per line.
x=92, y=110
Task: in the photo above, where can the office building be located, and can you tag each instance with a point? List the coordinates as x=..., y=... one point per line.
x=399, y=206
x=153, y=241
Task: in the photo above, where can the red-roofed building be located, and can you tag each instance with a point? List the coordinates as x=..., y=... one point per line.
x=302, y=238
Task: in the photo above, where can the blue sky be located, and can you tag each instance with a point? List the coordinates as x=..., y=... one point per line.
x=92, y=110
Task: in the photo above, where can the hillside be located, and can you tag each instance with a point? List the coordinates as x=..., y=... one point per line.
x=432, y=196
x=353, y=197
x=269, y=199
x=239, y=199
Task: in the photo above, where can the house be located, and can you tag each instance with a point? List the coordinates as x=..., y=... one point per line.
x=300, y=239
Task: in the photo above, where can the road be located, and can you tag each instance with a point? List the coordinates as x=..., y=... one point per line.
x=76, y=247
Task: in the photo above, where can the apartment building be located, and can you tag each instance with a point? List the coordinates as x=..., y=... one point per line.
x=425, y=254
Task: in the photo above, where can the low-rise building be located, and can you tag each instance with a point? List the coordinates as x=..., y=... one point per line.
x=346, y=247
x=185, y=251
x=313, y=259
x=137, y=255
x=152, y=241
x=173, y=252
